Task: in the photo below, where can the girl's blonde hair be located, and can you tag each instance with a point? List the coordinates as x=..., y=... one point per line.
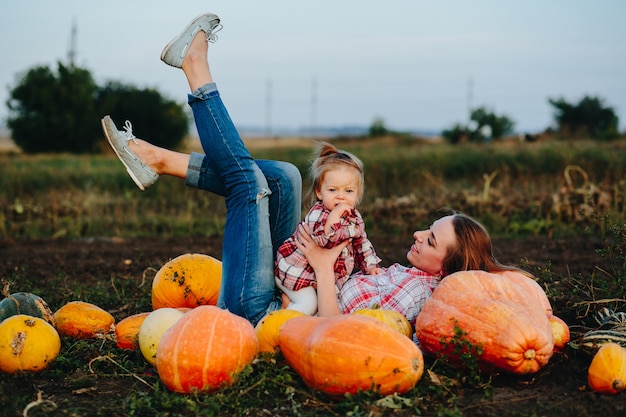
x=328, y=158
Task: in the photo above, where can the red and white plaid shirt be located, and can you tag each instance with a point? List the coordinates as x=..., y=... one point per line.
x=398, y=288
x=294, y=271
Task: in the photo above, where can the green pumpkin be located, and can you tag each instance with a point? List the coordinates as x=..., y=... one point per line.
x=27, y=304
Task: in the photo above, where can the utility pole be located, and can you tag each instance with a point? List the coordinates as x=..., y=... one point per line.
x=313, y=107
x=268, y=108
x=470, y=97
x=71, y=54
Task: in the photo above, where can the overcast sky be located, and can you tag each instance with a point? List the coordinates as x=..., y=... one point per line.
x=284, y=63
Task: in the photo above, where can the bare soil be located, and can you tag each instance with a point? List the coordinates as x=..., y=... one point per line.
x=558, y=389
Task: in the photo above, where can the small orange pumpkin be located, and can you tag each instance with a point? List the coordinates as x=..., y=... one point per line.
x=267, y=330
x=607, y=371
x=205, y=350
x=190, y=280
x=506, y=321
x=127, y=331
x=560, y=331
x=350, y=352
x=27, y=343
x=390, y=317
x=82, y=320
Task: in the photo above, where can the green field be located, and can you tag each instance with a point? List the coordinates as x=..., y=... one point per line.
x=513, y=188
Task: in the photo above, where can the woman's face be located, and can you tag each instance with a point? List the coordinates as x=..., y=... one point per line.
x=431, y=246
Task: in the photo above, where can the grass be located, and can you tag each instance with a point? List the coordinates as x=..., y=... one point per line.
x=540, y=188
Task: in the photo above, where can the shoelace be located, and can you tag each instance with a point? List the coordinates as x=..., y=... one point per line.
x=212, y=37
x=128, y=127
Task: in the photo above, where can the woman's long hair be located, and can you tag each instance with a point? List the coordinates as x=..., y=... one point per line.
x=474, y=250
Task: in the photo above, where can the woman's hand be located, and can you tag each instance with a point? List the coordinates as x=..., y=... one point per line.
x=319, y=258
x=322, y=261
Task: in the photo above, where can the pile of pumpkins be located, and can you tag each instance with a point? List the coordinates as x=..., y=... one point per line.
x=196, y=346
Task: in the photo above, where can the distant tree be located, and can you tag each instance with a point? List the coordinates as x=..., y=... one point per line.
x=160, y=120
x=589, y=118
x=54, y=111
x=378, y=128
x=484, y=125
x=455, y=134
x=487, y=121
x=60, y=111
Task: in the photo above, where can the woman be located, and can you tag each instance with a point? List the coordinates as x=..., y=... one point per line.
x=263, y=205
x=453, y=243
x=262, y=197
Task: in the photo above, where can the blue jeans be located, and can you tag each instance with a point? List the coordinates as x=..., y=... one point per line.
x=263, y=203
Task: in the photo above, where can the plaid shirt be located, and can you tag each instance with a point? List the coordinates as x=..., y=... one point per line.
x=398, y=288
x=292, y=268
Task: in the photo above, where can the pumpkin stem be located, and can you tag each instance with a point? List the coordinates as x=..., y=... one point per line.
x=529, y=354
x=618, y=385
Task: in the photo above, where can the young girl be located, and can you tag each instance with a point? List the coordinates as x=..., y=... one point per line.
x=337, y=187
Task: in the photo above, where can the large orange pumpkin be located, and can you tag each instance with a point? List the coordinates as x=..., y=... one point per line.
x=27, y=343
x=190, y=280
x=205, y=350
x=350, y=352
x=82, y=320
x=490, y=312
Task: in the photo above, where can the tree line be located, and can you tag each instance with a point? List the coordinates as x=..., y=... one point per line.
x=60, y=111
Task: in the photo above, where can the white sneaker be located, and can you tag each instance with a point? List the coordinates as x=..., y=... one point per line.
x=142, y=175
x=174, y=52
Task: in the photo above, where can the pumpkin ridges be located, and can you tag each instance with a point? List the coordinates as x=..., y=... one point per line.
x=347, y=353
x=205, y=349
x=495, y=313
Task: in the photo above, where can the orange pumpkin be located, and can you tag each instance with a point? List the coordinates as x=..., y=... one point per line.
x=27, y=343
x=560, y=331
x=492, y=313
x=205, y=350
x=607, y=371
x=390, y=317
x=268, y=328
x=190, y=280
x=351, y=352
x=127, y=331
x=82, y=320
